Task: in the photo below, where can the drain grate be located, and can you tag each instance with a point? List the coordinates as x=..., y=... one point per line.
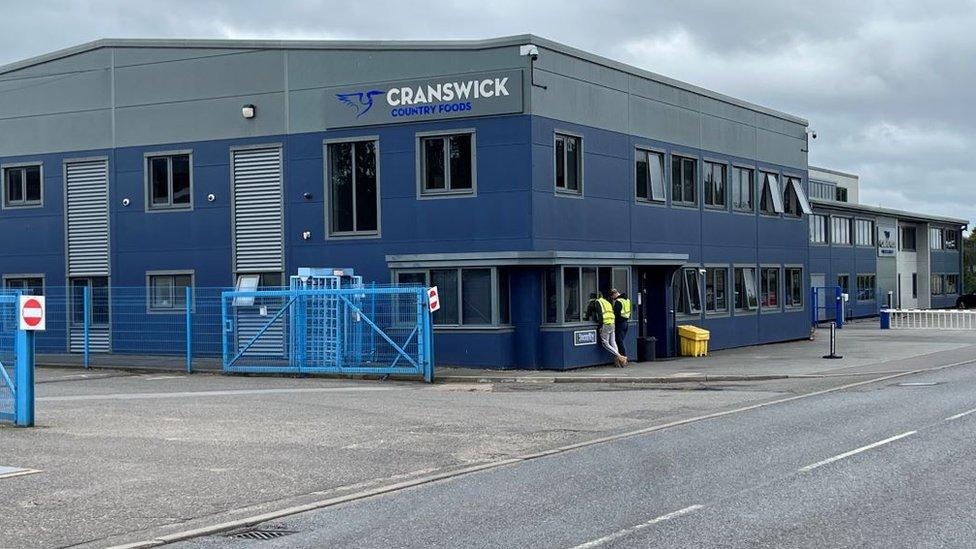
x=260, y=534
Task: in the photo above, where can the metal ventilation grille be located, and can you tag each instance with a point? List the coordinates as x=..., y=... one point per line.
x=258, y=211
x=86, y=197
x=260, y=534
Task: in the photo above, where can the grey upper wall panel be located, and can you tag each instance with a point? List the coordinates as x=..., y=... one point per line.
x=734, y=138
x=582, y=103
x=660, y=121
x=326, y=68
x=77, y=131
x=125, y=57
x=200, y=78
x=73, y=92
x=84, y=61
x=722, y=109
x=200, y=120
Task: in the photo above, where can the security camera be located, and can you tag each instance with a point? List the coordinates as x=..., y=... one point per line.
x=530, y=51
x=812, y=133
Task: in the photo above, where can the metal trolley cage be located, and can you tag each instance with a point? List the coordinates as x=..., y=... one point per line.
x=319, y=326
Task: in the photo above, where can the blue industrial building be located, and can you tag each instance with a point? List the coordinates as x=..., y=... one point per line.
x=517, y=175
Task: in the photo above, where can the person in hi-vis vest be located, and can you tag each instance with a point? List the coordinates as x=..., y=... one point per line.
x=607, y=320
x=621, y=310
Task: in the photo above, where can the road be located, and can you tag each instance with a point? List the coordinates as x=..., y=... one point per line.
x=886, y=464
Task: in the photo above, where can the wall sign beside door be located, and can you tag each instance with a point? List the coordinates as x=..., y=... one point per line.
x=584, y=337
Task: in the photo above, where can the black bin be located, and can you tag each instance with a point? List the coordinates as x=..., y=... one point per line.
x=646, y=349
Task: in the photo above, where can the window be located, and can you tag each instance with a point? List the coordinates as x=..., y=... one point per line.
x=649, y=168
x=937, y=285
x=907, y=240
x=569, y=164
x=770, y=199
x=169, y=182
x=844, y=281
x=914, y=285
x=841, y=194
x=951, y=286
x=467, y=295
x=769, y=290
x=684, y=181
x=935, y=239
x=865, y=287
x=716, y=296
x=950, y=239
x=98, y=300
x=22, y=186
x=447, y=164
x=353, y=187
x=864, y=232
x=167, y=292
x=818, y=229
x=550, y=292
x=714, y=185
x=791, y=197
x=745, y=289
x=823, y=190
x=840, y=230
x=742, y=189
x=794, y=287
x=688, y=293
x=32, y=285
x=579, y=284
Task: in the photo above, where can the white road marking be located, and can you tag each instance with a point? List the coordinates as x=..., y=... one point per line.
x=197, y=394
x=857, y=451
x=957, y=416
x=163, y=377
x=10, y=472
x=633, y=529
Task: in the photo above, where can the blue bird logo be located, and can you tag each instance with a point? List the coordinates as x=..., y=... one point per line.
x=360, y=101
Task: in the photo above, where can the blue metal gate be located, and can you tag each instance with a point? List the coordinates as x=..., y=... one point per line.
x=828, y=305
x=16, y=365
x=354, y=331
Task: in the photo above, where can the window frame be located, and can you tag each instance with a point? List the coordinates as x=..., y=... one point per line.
x=560, y=320
x=147, y=181
x=941, y=285
x=936, y=238
x=872, y=230
x=826, y=232
x=794, y=184
x=709, y=276
x=682, y=279
x=738, y=311
x=946, y=234
x=696, y=202
x=25, y=276
x=846, y=287
x=775, y=195
x=150, y=275
x=421, y=165
x=327, y=184
x=850, y=228
x=565, y=191
x=901, y=239
x=24, y=203
x=726, y=190
x=639, y=149
x=496, y=308
x=874, y=292
x=787, y=298
x=779, y=288
x=955, y=284
x=752, y=188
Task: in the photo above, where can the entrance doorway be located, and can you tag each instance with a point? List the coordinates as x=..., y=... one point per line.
x=653, y=307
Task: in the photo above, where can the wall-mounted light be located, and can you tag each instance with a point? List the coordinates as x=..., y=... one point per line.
x=125, y=202
x=248, y=111
x=211, y=197
x=307, y=195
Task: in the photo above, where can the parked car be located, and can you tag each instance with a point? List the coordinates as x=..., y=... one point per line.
x=966, y=301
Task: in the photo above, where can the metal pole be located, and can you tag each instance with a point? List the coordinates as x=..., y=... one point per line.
x=86, y=297
x=833, y=342
x=189, y=330
x=25, y=378
x=224, y=321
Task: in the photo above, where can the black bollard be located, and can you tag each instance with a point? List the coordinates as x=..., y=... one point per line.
x=833, y=342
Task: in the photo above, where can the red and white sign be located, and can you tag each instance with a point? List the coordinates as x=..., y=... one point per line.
x=433, y=301
x=32, y=313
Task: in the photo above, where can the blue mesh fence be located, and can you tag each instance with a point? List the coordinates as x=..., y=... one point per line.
x=8, y=355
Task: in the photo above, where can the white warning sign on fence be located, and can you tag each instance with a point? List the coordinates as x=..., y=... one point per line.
x=32, y=313
x=433, y=300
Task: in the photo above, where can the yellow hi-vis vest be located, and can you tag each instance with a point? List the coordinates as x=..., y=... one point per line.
x=607, y=309
x=624, y=308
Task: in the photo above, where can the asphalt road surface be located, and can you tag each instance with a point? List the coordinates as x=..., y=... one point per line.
x=890, y=464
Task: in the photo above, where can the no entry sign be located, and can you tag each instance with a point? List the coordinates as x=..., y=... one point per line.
x=32, y=313
x=433, y=301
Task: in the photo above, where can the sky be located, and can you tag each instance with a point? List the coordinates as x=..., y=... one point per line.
x=887, y=86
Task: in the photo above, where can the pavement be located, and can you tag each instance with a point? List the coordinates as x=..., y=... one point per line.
x=122, y=457
x=865, y=349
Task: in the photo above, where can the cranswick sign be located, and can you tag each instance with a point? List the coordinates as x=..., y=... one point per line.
x=482, y=94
